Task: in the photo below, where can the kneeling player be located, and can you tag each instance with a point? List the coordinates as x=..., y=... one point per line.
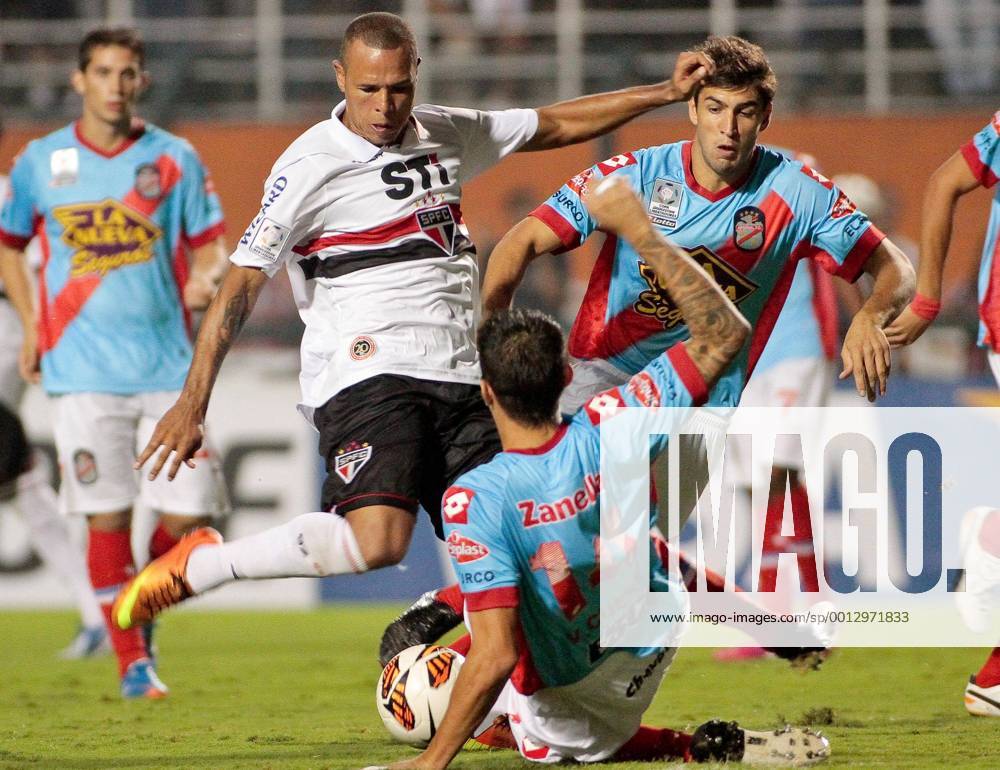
x=533, y=656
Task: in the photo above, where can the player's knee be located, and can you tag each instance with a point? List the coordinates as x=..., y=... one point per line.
x=384, y=551
x=15, y=454
x=382, y=533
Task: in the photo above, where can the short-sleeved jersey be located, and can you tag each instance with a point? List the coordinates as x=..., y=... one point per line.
x=750, y=237
x=114, y=230
x=982, y=153
x=523, y=529
x=381, y=264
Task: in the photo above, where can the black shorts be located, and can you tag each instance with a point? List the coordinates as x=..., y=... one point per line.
x=401, y=441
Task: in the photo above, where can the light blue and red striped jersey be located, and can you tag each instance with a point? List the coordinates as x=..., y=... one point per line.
x=750, y=237
x=982, y=153
x=114, y=228
x=523, y=529
x=807, y=324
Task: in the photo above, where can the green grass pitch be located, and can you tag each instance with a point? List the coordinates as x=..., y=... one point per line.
x=296, y=690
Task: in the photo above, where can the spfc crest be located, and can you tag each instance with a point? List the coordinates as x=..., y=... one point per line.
x=147, y=182
x=748, y=228
x=351, y=459
x=439, y=225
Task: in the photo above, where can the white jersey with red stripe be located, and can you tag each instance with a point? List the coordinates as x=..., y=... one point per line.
x=381, y=264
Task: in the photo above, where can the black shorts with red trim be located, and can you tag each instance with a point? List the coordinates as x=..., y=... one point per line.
x=401, y=441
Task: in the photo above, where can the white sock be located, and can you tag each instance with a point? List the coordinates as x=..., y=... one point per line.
x=51, y=537
x=310, y=545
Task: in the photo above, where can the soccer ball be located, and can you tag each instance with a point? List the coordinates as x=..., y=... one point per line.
x=413, y=692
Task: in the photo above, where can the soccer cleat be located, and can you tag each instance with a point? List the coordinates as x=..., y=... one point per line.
x=161, y=583
x=424, y=622
x=141, y=681
x=982, y=701
x=718, y=741
x=977, y=597
x=88, y=643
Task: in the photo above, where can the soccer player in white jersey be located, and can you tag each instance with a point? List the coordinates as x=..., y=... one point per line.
x=535, y=652
x=976, y=164
x=364, y=211
x=24, y=484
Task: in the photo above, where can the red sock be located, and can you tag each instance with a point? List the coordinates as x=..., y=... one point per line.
x=651, y=743
x=161, y=542
x=461, y=645
x=452, y=597
x=989, y=535
x=109, y=561
x=989, y=674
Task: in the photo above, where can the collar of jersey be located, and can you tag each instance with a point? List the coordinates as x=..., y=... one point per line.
x=706, y=193
x=137, y=129
x=543, y=448
x=360, y=149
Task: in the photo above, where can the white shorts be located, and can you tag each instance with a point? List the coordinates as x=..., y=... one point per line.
x=11, y=384
x=590, y=377
x=994, y=359
x=797, y=382
x=98, y=436
x=589, y=720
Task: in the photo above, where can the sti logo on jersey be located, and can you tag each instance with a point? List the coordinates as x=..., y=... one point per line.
x=351, y=459
x=665, y=202
x=456, y=505
x=464, y=549
x=105, y=236
x=439, y=225
x=748, y=228
x=656, y=301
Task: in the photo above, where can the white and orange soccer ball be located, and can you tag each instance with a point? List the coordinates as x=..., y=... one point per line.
x=413, y=692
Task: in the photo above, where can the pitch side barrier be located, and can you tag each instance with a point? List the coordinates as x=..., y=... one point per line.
x=886, y=491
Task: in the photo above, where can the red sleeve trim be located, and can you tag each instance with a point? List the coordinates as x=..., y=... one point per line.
x=856, y=258
x=14, y=241
x=983, y=173
x=689, y=374
x=564, y=231
x=207, y=236
x=507, y=597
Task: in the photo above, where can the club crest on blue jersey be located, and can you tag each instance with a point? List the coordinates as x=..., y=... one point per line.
x=351, y=459
x=656, y=301
x=748, y=228
x=147, y=181
x=439, y=225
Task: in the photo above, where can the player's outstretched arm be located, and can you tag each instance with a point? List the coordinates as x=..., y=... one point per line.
x=524, y=242
x=717, y=329
x=208, y=266
x=16, y=280
x=865, y=352
x=487, y=667
x=947, y=184
x=180, y=429
x=578, y=120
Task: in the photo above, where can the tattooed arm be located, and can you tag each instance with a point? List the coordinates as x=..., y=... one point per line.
x=181, y=430
x=717, y=329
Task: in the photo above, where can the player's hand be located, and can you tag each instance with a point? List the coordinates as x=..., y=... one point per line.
x=199, y=291
x=906, y=329
x=866, y=356
x=179, y=434
x=615, y=206
x=689, y=72
x=28, y=360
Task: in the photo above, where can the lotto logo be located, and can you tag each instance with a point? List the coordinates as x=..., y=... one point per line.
x=604, y=405
x=456, y=505
x=618, y=161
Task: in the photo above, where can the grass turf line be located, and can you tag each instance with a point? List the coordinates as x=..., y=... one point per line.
x=296, y=690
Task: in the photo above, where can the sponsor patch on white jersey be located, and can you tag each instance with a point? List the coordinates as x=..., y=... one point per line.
x=269, y=239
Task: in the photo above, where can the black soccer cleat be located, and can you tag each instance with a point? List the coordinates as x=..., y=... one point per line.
x=719, y=741
x=426, y=621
